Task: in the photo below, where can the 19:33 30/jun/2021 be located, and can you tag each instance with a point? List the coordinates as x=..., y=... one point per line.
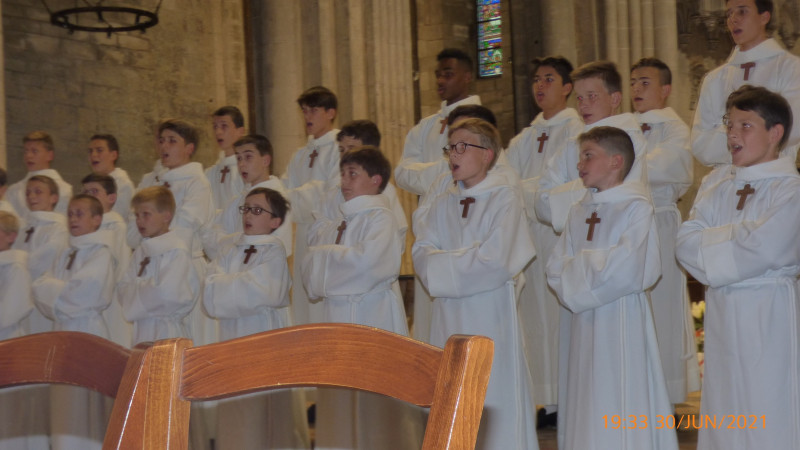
x=711, y=421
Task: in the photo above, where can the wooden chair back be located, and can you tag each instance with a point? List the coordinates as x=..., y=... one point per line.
x=451, y=381
x=79, y=359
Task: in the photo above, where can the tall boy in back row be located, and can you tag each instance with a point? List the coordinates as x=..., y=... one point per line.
x=225, y=181
x=38, y=154
x=741, y=241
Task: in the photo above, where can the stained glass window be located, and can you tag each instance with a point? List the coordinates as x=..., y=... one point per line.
x=490, y=51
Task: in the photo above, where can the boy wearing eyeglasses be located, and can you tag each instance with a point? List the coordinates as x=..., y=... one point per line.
x=352, y=264
x=247, y=291
x=472, y=244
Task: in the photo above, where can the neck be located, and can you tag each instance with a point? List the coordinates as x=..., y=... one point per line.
x=746, y=47
x=228, y=151
x=323, y=132
x=458, y=99
x=550, y=112
x=264, y=177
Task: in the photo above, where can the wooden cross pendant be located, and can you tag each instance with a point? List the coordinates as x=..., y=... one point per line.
x=248, y=252
x=167, y=185
x=28, y=234
x=541, y=140
x=645, y=127
x=142, y=265
x=592, y=221
x=466, y=202
x=743, y=193
x=444, y=125
x=342, y=226
x=747, y=67
x=71, y=259
x=224, y=172
x=312, y=157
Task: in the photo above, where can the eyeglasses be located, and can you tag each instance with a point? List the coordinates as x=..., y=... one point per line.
x=459, y=148
x=255, y=210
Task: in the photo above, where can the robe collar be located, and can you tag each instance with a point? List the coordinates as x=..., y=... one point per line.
x=111, y=218
x=657, y=116
x=11, y=256
x=363, y=203
x=445, y=109
x=562, y=116
x=779, y=168
x=99, y=237
x=627, y=190
x=188, y=170
x=768, y=48
x=171, y=240
x=625, y=121
x=492, y=182
x=325, y=139
x=272, y=183
x=245, y=240
x=37, y=217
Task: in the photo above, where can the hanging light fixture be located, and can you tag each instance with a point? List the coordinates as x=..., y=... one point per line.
x=103, y=16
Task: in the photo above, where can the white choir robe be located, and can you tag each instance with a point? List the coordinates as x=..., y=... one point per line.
x=24, y=424
x=124, y=192
x=669, y=172
x=74, y=297
x=355, y=278
x=48, y=238
x=303, y=174
x=775, y=69
x=120, y=330
x=538, y=306
x=6, y=206
x=158, y=301
x=469, y=265
x=614, y=367
x=227, y=185
x=247, y=299
x=16, y=192
x=750, y=260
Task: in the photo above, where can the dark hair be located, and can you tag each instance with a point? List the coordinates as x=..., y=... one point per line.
x=615, y=142
x=474, y=111
x=604, y=70
x=95, y=207
x=458, y=55
x=106, y=181
x=770, y=106
x=279, y=204
x=40, y=136
x=764, y=6
x=233, y=112
x=664, y=74
x=318, y=96
x=372, y=160
x=184, y=129
x=561, y=65
x=3, y=177
x=261, y=143
x=364, y=130
x=111, y=141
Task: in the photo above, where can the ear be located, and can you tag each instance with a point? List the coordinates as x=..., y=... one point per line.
x=488, y=156
x=116, y=155
x=191, y=152
x=97, y=221
x=12, y=236
x=275, y=222
x=112, y=198
x=267, y=161
x=330, y=114
x=617, y=161
x=775, y=134
x=566, y=89
x=616, y=99
x=51, y=155
x=666, y=89
x=376, y=180
x=764, y=19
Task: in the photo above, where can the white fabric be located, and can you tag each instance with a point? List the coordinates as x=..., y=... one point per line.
x=223, y=192
x=669, y=172
x=614, y=366
x=120, y=330
x=299, y=180
x=469, y=265
x=124, y=192
x=775, y=69
x=248, y=299
x=74, y=298
x=750, y=259
x=538, y=306
x=5, y=205
x=16, y=192
x=158, y=301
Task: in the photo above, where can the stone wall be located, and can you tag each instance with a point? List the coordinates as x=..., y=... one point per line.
x=76, y=85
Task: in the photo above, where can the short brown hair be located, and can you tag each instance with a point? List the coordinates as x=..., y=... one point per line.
x=372, y=160
x=40, y=136
x=51, y=184
x=261, y=143
x=160, y=196
x=606, y=71
x=278, y=203
x=183, y=128
x=664, y=74
x=95, y=207
x=615, y=142
x=9, y=222
x=486, y=132
x=107, y=181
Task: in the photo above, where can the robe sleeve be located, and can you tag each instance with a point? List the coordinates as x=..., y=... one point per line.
x=671, y=162
x=412, y=174
x=15, y=296
x=559, y=187
x=89, y=287
x=354, y=269
x=734, y=252
x=197, y=209
x=304, y=200
x=41, y=258
x=709, y=136
x=590, y=278
x=170, y=290
x=240, y=294
x=480, y=266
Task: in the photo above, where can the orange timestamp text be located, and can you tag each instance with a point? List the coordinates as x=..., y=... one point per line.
x=691, y=421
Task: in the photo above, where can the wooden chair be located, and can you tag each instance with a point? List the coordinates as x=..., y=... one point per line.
x=80, y=359
x=452, y=382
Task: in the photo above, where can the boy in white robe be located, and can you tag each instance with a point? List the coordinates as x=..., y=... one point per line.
x=318, y=160
x=38, y=154
x=528, y=154
x=422, y=161
x=741, y=242
x=228, y=124
x=247, y=290
x=73, y=294
x=757, y=60
x=352, y=263
x=103, y=157
x=103, y=188
x=472, y=243
x=669, y=174
x=601, y=266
